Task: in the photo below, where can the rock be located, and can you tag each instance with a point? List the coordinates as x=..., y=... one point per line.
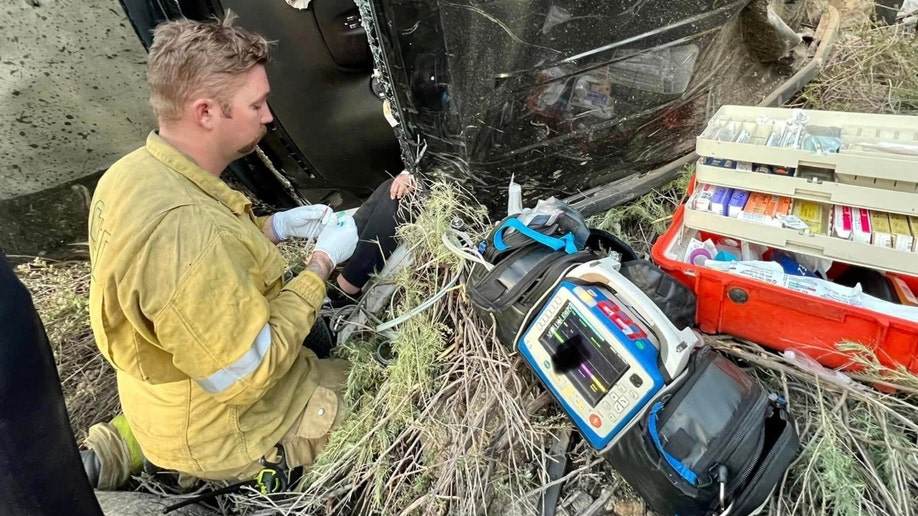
x=598, y=506
x=628, y=507
x=131, y=503
x=74, y=92
x=577, y=503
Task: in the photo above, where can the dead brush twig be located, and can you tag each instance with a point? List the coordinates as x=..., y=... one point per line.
x=458, y=425
x=871, y=70
x=60, y=291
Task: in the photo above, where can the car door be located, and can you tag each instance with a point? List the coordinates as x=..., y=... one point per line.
x=329, y=141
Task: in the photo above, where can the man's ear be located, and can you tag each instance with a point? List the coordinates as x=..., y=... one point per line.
x=204, y=112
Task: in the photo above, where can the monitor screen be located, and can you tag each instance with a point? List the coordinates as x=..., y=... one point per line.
x=581, y=355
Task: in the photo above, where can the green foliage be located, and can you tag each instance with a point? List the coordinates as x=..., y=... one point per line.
x=385, y=401
x=640, y=222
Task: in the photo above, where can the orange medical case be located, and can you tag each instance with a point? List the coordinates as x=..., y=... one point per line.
x=874, y=167
x=781, y=319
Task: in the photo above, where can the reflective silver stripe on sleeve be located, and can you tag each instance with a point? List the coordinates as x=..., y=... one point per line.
x=226, y=377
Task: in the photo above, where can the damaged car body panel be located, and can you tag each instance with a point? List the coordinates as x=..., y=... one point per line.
x=565, y=96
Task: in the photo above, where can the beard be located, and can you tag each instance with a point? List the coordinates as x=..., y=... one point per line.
x=248, y=149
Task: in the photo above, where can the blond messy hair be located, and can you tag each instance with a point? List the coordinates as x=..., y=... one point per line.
x=191, y=59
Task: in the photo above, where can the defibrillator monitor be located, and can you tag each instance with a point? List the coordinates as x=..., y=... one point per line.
x=596, y=356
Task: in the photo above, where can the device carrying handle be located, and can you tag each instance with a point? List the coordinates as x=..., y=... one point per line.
x=676, y=345
x=565, y=242
x=687, y=474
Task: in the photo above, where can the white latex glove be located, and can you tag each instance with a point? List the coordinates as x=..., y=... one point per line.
x=338, y=239
x=302, y=221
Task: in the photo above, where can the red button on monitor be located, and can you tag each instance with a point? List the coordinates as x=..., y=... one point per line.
x=607, y=309
x=595, y=420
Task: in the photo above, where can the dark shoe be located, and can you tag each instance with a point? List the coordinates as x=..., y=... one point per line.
x=335, y=298
x=91, y=466
x=320, y=339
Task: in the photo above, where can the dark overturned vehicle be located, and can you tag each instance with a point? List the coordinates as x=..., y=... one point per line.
x=594, y=102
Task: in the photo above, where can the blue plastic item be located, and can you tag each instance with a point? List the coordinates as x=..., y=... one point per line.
x=790, y=265
x=678, y=466
x=566, y=242
x=724, y=256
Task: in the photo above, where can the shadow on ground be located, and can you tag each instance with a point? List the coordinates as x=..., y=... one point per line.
x=50, y=223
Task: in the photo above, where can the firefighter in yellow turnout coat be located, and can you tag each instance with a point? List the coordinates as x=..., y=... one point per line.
x=187, y=298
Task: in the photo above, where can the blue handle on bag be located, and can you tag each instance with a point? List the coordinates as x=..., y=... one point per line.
x=680, y=468
x=565, y=242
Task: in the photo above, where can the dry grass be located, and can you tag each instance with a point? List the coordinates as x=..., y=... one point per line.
x=859, y=446
x=60, y=291
x=642, y=221
x=871, y=70
x=458, y=425
x=455, y=425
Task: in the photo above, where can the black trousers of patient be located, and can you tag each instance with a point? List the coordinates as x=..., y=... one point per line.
x=377, y=220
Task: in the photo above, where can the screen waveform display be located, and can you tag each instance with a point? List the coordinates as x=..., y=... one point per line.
x=581, y=355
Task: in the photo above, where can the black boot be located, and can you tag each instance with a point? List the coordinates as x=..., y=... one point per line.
x=92, y=466
x=335, y=298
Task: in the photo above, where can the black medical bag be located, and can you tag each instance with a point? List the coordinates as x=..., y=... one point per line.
x=717, y=429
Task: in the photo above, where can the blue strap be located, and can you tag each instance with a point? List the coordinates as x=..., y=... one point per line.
x=680, y=468
x=565, y=242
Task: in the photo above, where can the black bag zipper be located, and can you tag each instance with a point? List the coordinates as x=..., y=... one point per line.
x=718, y=474
x=760, y=465
x=748, y=469
x=754, y=466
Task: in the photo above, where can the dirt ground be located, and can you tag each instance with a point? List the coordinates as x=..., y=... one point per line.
x=50, y=223
x=73, y=99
